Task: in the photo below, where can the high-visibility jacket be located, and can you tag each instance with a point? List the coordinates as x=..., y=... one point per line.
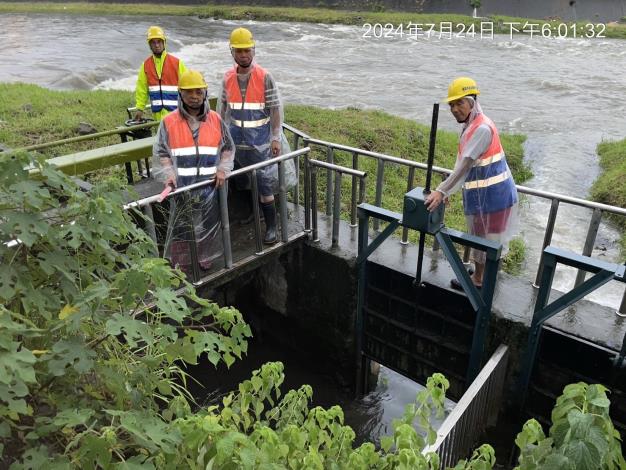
x=249, y=118
x=162, y=89
x=489, y=186
x=142, y=95
x=195, y=160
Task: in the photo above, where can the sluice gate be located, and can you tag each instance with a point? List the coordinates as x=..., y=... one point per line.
x=311, y=278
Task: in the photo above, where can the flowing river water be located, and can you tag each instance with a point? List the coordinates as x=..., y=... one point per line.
x=566, y=95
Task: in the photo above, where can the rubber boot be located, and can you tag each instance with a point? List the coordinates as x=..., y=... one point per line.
x=269, y=210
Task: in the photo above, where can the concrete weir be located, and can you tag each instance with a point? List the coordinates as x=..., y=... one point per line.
x=307, y=291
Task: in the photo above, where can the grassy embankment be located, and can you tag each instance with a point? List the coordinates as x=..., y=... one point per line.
x=30, y=115
x=307, y=15
x=610, y=187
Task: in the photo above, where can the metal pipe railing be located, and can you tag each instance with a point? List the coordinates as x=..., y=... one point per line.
x=254, y=195
x=547, y=238
x=96, y=135
x=336, y=195
x=146, y=205
x=330, y=158
x=555, y=199
x=228, y=252
x=476, y=410
x=378, y=196
x=282, y=202
x=313, y=174
x=353, y=196
x=592, y=233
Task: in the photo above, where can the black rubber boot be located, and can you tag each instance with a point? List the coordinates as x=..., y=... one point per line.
x=269, y=210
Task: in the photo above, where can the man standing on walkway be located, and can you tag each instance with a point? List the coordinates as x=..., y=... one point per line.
x=481, y=171
x=250, y=105
x=157, y=81
x=193, y=145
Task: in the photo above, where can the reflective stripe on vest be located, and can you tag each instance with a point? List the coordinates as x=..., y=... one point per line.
x=249, y=119
x=195, y=161
x=163, y=90
x=489, y=186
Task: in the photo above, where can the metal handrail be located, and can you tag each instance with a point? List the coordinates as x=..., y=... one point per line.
x=555, y=199
x=155, y=198
x=95, y=135
x=336, y=195
x=445, y=171
x=146, y=205
x=476, y=410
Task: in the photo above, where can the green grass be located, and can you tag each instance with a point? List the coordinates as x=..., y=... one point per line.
x=308, y=15
x=610, y=187
x=31, y=115
x=381, y=132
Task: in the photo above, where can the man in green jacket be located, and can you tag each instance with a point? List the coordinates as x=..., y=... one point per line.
x=157, y=81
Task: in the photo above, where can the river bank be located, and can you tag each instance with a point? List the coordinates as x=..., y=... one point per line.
x=463, y=25
x=610, y=187
x=30, y=114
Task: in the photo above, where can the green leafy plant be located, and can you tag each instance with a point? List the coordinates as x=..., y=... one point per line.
x=581, y=437
x=94, y=331
x=95, y=334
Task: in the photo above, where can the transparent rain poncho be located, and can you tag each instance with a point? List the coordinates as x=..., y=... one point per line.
x=254, y=115
x=500, y=225
x=194, y=218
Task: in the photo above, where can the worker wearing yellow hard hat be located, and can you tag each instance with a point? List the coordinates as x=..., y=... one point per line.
x=157, y=80
x=251, y=107
x=193, y=145
x=481, y=173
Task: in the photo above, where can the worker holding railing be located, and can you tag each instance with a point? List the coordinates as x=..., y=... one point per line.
x=193, y=145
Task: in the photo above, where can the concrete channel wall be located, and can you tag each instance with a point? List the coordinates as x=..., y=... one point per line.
x=306, y=295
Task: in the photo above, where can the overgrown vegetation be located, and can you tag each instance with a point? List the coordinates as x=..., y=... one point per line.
x=581, y=437
x=372, y=12
x=610, y=187
x=32, y=115
x=95, y=334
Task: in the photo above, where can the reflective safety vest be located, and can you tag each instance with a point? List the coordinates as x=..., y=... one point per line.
x=195, y=161
x=489, y=186
x=163, y=90
x=249, y=119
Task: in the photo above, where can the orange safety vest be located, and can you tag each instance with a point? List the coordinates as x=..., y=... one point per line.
x=195, y=161
x=250, y=120
x=489, y=186
x=163, y=90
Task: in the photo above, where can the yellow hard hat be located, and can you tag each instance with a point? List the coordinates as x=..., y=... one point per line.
x=155, y=32
x=190, y=80
x=241, y=38
x=461, y=87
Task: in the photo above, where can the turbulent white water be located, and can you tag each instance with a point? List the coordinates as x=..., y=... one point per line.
x=566, y=95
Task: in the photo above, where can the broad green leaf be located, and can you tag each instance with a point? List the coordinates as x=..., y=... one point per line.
x=71, y=352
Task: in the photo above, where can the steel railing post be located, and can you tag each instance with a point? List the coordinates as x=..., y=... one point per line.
x=336, y=209
x=223, y=198
x=547, y=238
x=592, y=232
x=330, y=158
x=354, y=195
x=282, y=200
x=314, y=232
x=257, y=216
